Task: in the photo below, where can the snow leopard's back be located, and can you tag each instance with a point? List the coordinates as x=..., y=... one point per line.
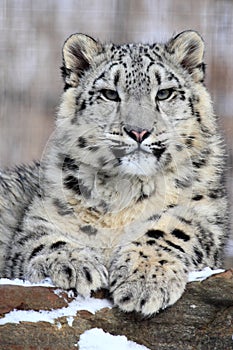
x=17, y=188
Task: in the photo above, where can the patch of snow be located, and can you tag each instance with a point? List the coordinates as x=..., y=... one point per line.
x=193, y=306
x=60, y=293
x=59, y=326
x=90, y=304
x=97, y=339
x=18, y=282
x=70, y=321
x=203, y=274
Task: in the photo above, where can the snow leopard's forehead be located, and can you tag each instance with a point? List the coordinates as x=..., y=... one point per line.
x=137, y=56
x=135, y=50
x=138, y=67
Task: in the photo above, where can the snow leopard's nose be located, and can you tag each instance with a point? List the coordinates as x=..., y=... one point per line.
x=137, y=134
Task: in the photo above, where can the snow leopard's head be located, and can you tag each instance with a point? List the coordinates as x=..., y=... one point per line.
x=134, y=108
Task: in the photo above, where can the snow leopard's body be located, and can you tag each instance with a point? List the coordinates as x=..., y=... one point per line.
x=130, y=193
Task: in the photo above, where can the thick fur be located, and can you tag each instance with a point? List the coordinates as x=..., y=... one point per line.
x=130, y=194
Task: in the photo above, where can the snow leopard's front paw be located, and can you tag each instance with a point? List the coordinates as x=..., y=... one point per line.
x=138, y=285
x=76, y=269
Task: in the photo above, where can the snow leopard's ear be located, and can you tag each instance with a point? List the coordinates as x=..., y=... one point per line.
x=78, y=53
x=187, y=48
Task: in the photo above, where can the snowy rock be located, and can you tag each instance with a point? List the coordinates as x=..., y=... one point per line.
x=30, y=298
x=38, y=317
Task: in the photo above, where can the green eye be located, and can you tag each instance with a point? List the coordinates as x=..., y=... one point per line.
x=164, y=94
x=110, y=95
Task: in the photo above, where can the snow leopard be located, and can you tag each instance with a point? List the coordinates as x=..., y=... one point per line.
x=129, y=194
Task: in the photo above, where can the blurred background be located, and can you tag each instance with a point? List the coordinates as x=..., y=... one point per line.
x=32, y=33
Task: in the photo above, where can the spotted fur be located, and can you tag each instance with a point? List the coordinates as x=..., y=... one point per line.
x=130, y=194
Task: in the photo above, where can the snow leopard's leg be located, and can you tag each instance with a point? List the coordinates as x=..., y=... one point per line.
x=151, y=273
x=44, y=252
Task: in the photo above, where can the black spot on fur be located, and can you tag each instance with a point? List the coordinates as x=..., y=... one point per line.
x=199, y=255
x=158, y=78
x=126, y=299
x=116, y=78
x=176, y=246
x=216, y=257
x=113, y=283
x=69, y=163
x=180, y=234
x=160, y=64
x=183, y=183
x=184, y=220
x=191, y=106
x=168, y=158
x=150, y=242
x=72, y=183
x=198, y=116
x=172, y=76
x=142, y=302
x=82, y=106
x=62, y=207
x=216, y=193
x=157, y=152
x=154, y=217
x=57, y=245
x=68, y=271
x=189, y=141
x=162, y=262
x=88, y=229
x=36, y=251
x=82, y=142
x=198, y=197
x=143, y=255
x=172, y=206
x=182, y=95
x=199, y=162
x=155, y=234
x=142, y=197
x=87, y=274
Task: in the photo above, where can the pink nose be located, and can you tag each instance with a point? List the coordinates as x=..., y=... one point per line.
x=138, y=134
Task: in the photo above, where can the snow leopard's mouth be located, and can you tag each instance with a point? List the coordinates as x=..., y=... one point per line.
x=140, y=151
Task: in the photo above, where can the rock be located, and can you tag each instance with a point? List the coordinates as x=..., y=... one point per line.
x=29, y=298
x=201, y=319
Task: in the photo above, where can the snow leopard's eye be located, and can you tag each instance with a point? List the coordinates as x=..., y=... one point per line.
x=164, y=94
x=110, y=95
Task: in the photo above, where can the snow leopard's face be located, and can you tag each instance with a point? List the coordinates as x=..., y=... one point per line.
x=133, y=108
